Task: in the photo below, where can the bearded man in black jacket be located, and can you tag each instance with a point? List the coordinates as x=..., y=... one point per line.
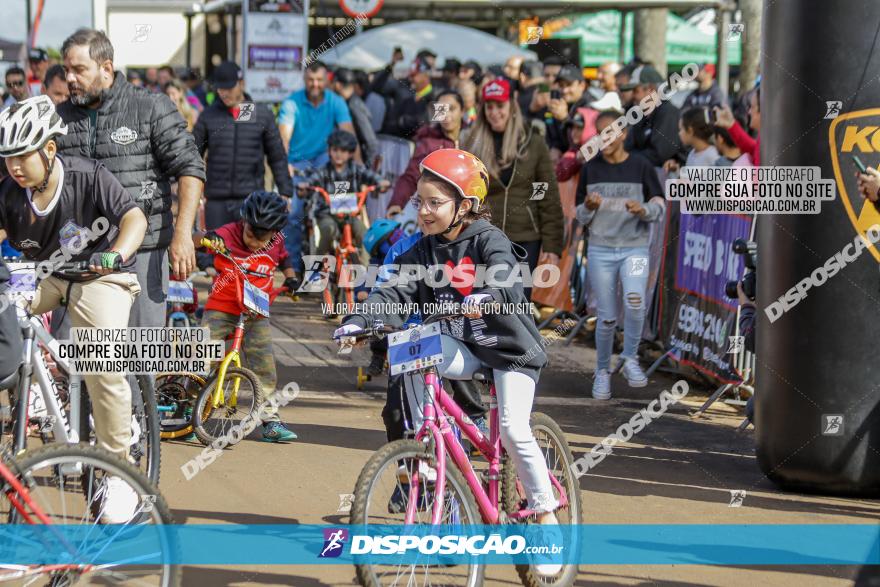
x=142, y=139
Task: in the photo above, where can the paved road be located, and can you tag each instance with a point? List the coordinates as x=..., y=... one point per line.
x=677, y=470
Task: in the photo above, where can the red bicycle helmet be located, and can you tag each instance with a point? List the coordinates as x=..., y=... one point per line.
x=461, y=169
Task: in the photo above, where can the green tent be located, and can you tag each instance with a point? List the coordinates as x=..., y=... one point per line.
x=599, y=36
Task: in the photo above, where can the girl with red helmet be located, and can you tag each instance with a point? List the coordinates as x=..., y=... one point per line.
x=459, y=236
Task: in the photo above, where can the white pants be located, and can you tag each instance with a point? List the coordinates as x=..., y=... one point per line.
x=515, y=392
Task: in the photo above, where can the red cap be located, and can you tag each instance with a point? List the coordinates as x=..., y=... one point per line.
x=498, y=90
x=710, y=69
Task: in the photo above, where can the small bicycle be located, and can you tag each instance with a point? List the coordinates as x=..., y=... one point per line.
x=176, y=392
x=346, y=206
x=413, y=474
x=230, y=392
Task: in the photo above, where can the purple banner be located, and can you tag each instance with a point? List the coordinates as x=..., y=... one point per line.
x=705, y=260
x=273, y=57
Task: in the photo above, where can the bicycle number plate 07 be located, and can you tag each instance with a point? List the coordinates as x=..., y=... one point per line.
x=22, y=280
x=180, y=292
x=255, y=299
x=414, y=349
x=344, y=203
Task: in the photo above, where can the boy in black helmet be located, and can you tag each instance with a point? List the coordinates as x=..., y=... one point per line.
x=340, y=175
x=256, y=243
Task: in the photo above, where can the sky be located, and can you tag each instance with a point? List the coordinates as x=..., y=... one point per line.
x=60, y=18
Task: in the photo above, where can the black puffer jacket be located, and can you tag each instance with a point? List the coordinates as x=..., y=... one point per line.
x=142, y=139
x=236, y=151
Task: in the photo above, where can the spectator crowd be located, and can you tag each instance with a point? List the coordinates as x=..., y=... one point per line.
x=526, y=119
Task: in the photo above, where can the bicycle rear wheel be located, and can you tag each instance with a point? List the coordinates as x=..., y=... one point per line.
x=381, y=497
x=70, y=484
x=557, y=454
x=228, y=418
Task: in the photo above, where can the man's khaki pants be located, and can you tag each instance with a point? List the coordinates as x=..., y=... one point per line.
x=102, y=303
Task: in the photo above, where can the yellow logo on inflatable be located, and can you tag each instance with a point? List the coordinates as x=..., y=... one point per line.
x=856, y=133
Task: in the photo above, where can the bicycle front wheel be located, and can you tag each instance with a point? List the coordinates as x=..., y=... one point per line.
x=557, y=454
x=381, y=497
x=83, y=485
x=227, y=413
x=177, y=394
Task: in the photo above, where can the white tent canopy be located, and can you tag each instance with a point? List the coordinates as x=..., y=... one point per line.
x=372, y=49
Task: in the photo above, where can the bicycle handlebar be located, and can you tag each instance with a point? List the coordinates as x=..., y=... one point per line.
x=378, y=330
x=361, y=196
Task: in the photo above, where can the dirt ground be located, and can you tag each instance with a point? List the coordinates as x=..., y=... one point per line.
x=678, y=470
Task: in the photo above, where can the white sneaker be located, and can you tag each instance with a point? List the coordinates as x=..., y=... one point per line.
x=119, y=501
x=602, y=385
x=546, y=564
x=634, y=374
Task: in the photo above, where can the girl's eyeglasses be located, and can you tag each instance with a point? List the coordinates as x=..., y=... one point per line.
x=432, y=204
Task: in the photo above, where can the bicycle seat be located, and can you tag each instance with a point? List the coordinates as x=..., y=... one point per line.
x=484, y=375
x=9, y=382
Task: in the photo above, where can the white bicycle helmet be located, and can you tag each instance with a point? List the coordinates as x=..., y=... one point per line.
x=27, y=125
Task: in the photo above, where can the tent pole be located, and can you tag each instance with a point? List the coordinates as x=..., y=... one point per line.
x=722, y=22
x=189, y=18
x=621, y=46
x=27, y=15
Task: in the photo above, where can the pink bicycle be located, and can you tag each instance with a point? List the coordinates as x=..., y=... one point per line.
x=408, y=482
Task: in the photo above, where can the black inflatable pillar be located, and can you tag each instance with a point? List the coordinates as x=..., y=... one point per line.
x=820, y=360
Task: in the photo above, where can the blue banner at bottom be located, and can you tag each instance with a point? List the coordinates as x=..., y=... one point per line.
x=221, y=544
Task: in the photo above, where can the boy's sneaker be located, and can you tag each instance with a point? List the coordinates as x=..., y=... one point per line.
x=277, y=432
x=118, y=501
x=602, y=385
x=634, y=374
x=377, y=365
x=397, y=503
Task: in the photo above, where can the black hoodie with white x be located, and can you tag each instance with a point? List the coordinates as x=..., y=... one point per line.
x=503, y=340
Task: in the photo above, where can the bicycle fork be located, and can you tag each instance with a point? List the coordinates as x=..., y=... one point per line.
x=232, y=357
x=24, y=384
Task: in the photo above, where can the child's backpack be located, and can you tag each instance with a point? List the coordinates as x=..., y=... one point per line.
x=380, y=237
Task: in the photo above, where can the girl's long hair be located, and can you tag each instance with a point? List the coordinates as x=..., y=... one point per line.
x=479, y=140
x=183, y=106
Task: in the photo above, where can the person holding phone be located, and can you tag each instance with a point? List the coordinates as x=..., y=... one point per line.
x=724, y=118
x=533, y=96
x=868, y=182
x=564, y=103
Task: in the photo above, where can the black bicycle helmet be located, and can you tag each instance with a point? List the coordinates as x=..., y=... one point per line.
x=342, y=139
x=265, y=211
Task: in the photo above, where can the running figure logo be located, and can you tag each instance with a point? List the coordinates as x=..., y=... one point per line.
x=441, y=109
x=736, y=344
x=539, y=190
x=737, y=497
x=832, y=424
x=534, y=34
x=334, y=540
x=141, y=32
x=833, y=107
x=735, y=31
x=246, y=111
x=639, y=264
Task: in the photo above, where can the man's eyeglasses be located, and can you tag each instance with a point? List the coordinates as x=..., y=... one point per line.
x=432, y=204
x=15, y=84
